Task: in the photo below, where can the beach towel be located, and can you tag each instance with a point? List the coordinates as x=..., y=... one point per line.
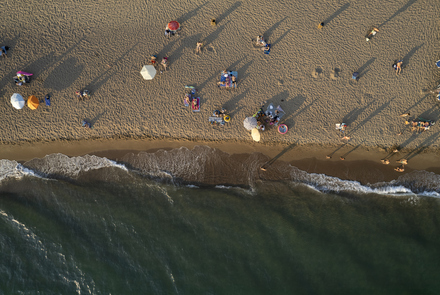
x=226, y=79
x=267, y=49
x=216, y=121
x=195, y=105
x=47, y=100
x=187, y=99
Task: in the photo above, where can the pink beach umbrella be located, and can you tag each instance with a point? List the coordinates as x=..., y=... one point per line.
x=173, y=25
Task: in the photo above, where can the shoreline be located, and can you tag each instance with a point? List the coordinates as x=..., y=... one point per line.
x=361, y=163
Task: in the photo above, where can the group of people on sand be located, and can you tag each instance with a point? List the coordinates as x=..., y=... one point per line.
x=82, y=95
x=229, y=80
x=4, y=51
x=163, y=62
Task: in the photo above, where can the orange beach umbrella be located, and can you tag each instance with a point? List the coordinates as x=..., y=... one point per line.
x=33, y=102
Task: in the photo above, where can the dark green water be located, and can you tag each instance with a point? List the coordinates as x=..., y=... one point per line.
x=137, y=236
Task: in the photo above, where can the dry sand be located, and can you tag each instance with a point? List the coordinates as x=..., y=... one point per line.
x=102, y=45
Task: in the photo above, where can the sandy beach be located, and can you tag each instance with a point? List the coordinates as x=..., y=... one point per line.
x=102, y=46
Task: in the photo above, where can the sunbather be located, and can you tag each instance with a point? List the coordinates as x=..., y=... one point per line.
x=187, y=99
x=164, y=63
x=153, y=60
x=261, y=41
x=86, y=94
x=79, y=95
x=372, y=33
x=4, y=50
x=234, y=80
x=195, y=105
x=86, y=124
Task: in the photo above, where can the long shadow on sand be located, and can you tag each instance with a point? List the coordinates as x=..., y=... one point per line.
x=190, y=14
x=101, y=79
x=364, y=69
x=233, y=104
x=402, y=9
x=271, y=161
x=228, y=11
x=423, y=146
x=214, y=35
x=407, y=57
x=370, y=117
x=336, y=13
x=281, y=37
x=38, y=66
x=57, y=79
x=270, y=31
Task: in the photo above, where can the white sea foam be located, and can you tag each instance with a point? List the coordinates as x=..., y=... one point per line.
x=325, y=183
x=72, y=166
x=13, y=169
x=171, y=164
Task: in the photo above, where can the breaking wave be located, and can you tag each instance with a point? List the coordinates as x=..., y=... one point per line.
x=205, y=166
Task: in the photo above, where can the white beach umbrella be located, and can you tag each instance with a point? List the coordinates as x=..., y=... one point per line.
x=17, y=101
x=250, y=123
x=148, y=72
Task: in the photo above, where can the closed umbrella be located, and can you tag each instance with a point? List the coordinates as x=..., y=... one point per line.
x=17, y=101
x=256, y=135
x=33, y=102
x=250, y=123
x=148, y=72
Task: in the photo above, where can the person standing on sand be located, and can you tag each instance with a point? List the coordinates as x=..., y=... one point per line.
x=398, y=66
x=199, y=47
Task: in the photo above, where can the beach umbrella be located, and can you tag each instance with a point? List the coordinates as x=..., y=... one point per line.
x=256, y=135
x=17, y=101
x=173, y=25
x=33, y=102
x=148, y=72
x=250, y=123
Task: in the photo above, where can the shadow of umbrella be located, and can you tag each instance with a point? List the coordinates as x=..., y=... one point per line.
x=64, y=74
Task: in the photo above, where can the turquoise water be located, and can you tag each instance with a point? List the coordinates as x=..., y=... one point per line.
x=134, y=235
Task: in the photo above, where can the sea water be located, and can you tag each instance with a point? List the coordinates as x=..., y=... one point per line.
x=144, y=225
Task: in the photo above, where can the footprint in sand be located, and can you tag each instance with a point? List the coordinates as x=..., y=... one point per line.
x=335, y=74
x=317, y=73
x=210, y=48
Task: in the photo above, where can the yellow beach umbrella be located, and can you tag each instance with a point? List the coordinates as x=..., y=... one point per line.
x=33, y=102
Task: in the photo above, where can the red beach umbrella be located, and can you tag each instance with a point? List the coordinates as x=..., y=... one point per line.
x=173, y=25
